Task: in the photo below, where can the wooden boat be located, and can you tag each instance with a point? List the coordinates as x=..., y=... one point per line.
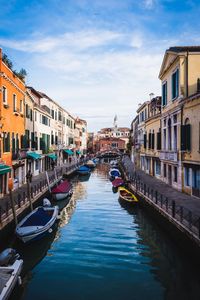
x=62, y=191
x=90, y=164
x=84, y=170
x=10, y=270
x=37, y=224
x=127, y=196
x=113, y=173
x=117, y=182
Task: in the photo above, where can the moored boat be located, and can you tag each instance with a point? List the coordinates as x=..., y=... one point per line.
x=10, y=269
x=37, y=223
x=117, y=182
x=84, y=170
x=127, y=196
x=90, y=164
x=113, y=173
x=62, y=191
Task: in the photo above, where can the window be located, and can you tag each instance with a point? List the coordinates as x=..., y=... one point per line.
x=52, y=114
x=4, y=94
x=158, y=167
x=21, y=106
x=175, y=84
x=31, y=115
x=45, y=120
x=165, y=170
x=175, y=174
x=56, y=115
x=6, y=142
x=164, y=94
x=165, y=139
x=187, y=176
x=159, y=140
x=36, y=116
x=59, y=116
x=145, y=141
x=175, y=138
x=14, y=103
x=196, y=178
x=186, y=136
x=37, y=164
x=149, y=140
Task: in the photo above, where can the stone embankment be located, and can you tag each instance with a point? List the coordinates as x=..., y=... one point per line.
x=38, y=188
x=179, y=211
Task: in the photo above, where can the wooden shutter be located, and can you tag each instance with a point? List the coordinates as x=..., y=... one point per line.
x=149, y=140
x=183, y=137
x=158, y=140
x=153, y=140
x=188, y=136
x=145, y=141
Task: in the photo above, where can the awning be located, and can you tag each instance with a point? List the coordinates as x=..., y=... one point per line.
x=52, y=156
x=69, y=152
x=78, y=152
x=4, y=169
x=33, y=155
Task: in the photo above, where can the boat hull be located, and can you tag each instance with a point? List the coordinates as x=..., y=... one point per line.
x=16, y=269
x=35, y=232
x=83, y=172
x=127, y=196
x=62, y=196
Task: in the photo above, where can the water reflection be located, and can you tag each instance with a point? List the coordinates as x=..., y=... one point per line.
x=168, y=265
x=106, y=249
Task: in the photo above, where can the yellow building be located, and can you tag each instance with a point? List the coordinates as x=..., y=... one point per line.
x=190, y=142
x=152, y=138
x=179, y=72
x=142, y=116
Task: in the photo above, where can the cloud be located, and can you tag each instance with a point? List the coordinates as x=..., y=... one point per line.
x=149, y=4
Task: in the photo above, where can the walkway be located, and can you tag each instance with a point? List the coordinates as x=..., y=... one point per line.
x=189, y=202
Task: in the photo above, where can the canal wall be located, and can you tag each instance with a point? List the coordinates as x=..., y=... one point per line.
x=38, y=190
x=182, y=224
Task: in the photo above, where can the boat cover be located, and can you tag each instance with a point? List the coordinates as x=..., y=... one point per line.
x=84, y=168
x=115, y=173
x=117, y=182
x=63, y=187
x=39, y=218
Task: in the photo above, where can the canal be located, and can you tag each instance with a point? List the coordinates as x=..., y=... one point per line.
x=105, y=250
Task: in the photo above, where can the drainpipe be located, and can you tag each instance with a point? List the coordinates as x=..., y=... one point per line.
x=187, y=75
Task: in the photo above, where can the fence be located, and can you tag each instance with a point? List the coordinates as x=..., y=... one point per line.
x=21, y=199
x=179, y=214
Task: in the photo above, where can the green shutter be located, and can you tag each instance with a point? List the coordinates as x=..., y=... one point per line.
x=188, y=136
x=183, y=137
x=145, y=141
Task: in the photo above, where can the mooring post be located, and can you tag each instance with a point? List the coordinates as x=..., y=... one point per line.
x=29, y=178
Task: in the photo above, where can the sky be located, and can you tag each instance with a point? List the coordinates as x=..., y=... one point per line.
x=96, y=58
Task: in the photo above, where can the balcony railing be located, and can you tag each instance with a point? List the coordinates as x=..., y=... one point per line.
x=169, y=155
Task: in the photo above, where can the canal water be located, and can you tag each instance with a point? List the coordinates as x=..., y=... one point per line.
x=103, y=249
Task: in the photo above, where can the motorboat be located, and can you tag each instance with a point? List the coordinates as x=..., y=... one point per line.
x=90, y=164
x=84, y=170
x=37, y=223
x=10, y=270
x=117, y=182
x=127, y=196
x=113, y=173
x=62, y=191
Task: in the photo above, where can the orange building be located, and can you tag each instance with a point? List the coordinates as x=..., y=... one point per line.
x=12, y=125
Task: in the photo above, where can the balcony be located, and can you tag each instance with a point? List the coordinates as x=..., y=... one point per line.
x=169, y=155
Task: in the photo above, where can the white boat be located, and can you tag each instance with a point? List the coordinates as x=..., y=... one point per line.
x=62, y=191
x=10, y=270
x=90, y=164
x=37, y=224
x=113, y=173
